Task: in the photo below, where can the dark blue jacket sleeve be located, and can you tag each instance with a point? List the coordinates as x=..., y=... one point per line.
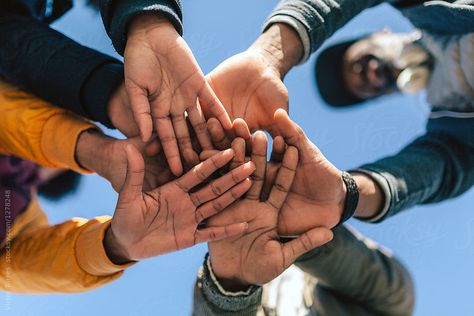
x=433, y=168
x=52, y=66
x=117, y=14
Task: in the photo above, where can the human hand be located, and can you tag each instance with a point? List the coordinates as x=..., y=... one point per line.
x=250, y=84
x=120, y=112
x=318, y=193
x=250, y=88
x=149, y=223
x=106, y=156
x=258, y=256
x=164, y=81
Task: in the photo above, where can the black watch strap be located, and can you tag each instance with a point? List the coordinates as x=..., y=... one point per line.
x=352, y=197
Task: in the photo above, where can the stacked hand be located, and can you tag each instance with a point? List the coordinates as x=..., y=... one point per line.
x=149, y=223
x=164, y=90
x=107, y=157
x=250, y=88
x=318, y=193
x=164, y=84
x=258, y=256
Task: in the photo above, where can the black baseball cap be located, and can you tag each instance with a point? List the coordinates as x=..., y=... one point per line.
x=328, y=74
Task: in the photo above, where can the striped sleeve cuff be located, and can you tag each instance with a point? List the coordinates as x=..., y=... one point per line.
x=224, y=300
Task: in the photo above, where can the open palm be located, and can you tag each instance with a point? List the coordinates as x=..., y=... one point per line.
x=147, y=224
x=164, y=83
x=250, y=89
x=318, y=193
x=259, y=256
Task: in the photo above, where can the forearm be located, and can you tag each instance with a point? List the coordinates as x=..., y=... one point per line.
x=64, y=258
x=35, y=130
x=359, y=270
x=91, y=151
x=316, y=20
x=433, y=168
x=57, y=69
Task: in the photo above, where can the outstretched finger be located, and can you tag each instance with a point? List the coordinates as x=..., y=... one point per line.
x=184, y=139
x=219, y=186
x=212, y=106
x=294, y=135
x=218, y=135
x=221, y=232
x=141, y=109
x=278, y=149
x=215, y=206
x=284, y=179
x=276, y=158
x=165, y=131
x=241, y=129
x=238, y=145
x=201, y=172
x=133, y=184
x=259, y=158
x=199, y=124
x=310, y=240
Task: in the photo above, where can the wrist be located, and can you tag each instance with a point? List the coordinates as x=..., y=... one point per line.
x=281, y=47
x=115, y=252
x=149, y=21
x=226, y=278
x=371, y=197
x=90, y=150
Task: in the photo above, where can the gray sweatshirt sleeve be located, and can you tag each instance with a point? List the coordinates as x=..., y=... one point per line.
x=437, y=166
x=317, y=20
x=361, y=275
x=210, y=299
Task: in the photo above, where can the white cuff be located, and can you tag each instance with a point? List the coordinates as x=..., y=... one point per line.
x=219, y=286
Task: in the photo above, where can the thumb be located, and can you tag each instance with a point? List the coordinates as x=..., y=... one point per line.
x=310, y=240
x=289, y=130
x=294, y=135
x=212, y=106
x=133, y=184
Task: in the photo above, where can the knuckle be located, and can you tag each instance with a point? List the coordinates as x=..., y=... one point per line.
x=199, y=174
x=215, y=162
x=184, y=141
x=199, y=216
x=306, y=242
x=200, y=127
x=195, y=199
x=256, y=178
x=235, y=176
x=217, y=190
x=280, y=187
x=218, y=205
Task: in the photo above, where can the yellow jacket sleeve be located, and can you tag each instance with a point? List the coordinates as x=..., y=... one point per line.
x=35, y=130
x=64, y=258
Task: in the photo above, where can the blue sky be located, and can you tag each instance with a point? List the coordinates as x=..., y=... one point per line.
x=436, y=242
